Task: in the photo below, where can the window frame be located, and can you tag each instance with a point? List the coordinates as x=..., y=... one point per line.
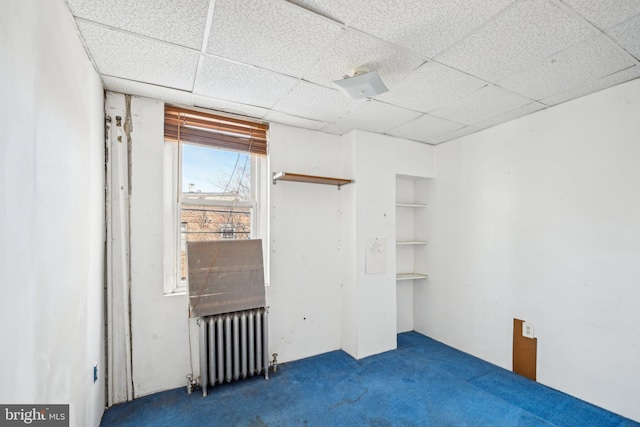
x=173, y=202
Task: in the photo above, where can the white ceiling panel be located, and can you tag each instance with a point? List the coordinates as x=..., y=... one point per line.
x=355, y=49
x=485, y=103
x=519, y=38
x=574, y=66
x=271, y=34
x=180, y=22
x=594, y=86
x=142, y=59
x=286, y=119
x=511, y=115
x=424, y=27
x=229, y=107
x=373, y=116
x=454, y=135
x=174, y=96
x=245, y=84
x=605, y=13
x=425, y=128
x=627, y=35
x=338, y=10
x=179, y=97
x=431, y=86
x=320, y=102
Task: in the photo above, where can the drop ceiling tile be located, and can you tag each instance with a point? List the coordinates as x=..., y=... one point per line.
x=130, y=87
x=241, y=83
x=424, y=27
x=229, y=107
x=520, y=37
x=286, y=119
x=627, y=35
x=481, y=105
x=594, y=86
x=131, y=57
x=373, y=116
x=338, y=10
x=270, y=34
x=511, y=115
x=454, y=135
x=431, y=86
x=425, y=128
x=316, y=102
x=579, y=64
x=180, y=22
x=605, y=13
x=355, y=49
x=179, y=97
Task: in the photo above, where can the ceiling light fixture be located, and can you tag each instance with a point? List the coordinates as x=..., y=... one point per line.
x=362, y=83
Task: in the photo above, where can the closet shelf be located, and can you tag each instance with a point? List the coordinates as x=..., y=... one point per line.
x=410, y=205
x=288, y=176
x=410, y=276
x=411, y=242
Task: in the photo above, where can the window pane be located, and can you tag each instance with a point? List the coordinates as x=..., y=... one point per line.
x=216, y=186
x=218, y=173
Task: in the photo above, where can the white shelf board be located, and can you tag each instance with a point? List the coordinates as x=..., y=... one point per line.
x=410, y=276
x=411, y=242
x=410, y=205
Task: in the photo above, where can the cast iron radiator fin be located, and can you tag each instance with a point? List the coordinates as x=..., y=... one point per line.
x=233, y=346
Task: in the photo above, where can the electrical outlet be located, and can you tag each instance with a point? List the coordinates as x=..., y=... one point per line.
x=527, y=330
x=95, y=372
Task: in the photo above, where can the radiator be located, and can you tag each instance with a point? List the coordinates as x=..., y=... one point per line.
x=233, y=346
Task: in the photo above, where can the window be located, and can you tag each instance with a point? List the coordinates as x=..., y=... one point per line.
x=215, y=189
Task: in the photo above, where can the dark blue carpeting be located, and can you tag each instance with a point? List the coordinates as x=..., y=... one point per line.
x=422, y=383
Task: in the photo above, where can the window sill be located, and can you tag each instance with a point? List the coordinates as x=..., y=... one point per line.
x=177, y=292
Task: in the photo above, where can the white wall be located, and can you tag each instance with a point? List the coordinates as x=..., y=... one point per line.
x=51, y=213
x=538, y=219
x=304, y=291
x=304, y=294
x=372, y=297
x=159, y=323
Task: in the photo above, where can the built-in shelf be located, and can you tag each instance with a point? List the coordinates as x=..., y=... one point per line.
x=412, y=242
x=410, y=205
x=287, y=176
x=410, y=276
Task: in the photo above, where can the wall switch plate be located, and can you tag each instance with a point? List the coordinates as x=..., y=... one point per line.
x=527, y=330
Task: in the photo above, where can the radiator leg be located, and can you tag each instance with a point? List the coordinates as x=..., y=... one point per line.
x=203, y=355
x=251, y=338
x=220, y=348
x=211, y=348
x=259, y=356
x=243, y=345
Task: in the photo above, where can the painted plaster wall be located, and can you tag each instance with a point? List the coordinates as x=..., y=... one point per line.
x=538, y=219
x=304, y=291
x=51, y=213
x=159, y=324
x=304, y=294
x=372, y=297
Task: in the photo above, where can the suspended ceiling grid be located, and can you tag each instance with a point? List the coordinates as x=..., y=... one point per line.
x=452, y=67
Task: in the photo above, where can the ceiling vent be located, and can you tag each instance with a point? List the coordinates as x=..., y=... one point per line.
x=362, y=83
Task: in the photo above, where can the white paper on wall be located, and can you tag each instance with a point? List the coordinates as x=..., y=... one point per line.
x=376, y=257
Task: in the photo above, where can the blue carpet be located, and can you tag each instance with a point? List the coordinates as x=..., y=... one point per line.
x=422, y=383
